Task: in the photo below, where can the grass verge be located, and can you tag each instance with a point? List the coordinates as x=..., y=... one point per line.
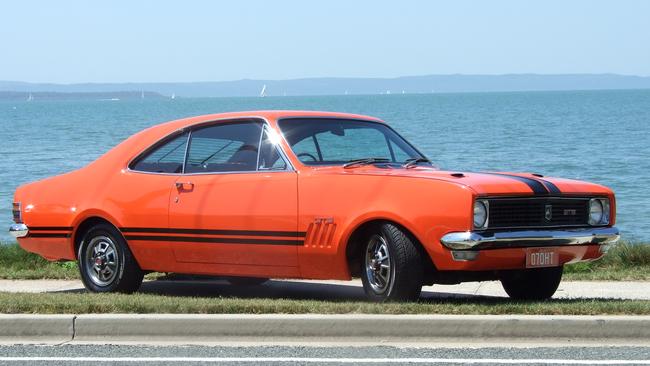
x=83, y=303
x=18, y=264
x=624, y=262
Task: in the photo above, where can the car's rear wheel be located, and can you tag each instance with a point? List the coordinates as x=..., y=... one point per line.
x=532, y=284
x=391, y=265
x=246, y=281
x=106, y=263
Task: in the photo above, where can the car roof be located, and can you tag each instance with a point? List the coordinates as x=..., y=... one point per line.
x=265, y=114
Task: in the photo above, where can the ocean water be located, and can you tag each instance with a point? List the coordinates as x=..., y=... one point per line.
x=599, y=136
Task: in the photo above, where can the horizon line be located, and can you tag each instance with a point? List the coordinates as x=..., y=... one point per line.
x=326, y=77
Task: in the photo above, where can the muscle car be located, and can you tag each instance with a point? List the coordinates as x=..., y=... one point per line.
x=314, y=195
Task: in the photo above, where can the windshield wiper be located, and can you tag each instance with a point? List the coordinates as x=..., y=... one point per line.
x=410, y=163
x=364, y=161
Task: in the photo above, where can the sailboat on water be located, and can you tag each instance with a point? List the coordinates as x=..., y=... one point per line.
x=173, y=96
x=263, y=92
x=30, y=97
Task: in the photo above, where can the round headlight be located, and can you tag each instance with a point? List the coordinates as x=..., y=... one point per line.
x=595, y=212
x=480, y=214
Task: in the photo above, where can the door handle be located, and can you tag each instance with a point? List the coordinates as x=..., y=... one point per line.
x=184, y=186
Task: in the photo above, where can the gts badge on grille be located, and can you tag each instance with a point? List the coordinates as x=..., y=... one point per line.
x=548, y=212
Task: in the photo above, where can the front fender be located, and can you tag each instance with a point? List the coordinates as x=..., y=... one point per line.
x=428, y=208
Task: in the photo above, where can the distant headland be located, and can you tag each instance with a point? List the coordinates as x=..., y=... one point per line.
x=326, y=86
x=50, y=95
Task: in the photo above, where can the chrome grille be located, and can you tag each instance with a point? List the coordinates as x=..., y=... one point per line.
x=537, y=212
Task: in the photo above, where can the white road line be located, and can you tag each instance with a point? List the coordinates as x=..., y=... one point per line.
x=484, y=361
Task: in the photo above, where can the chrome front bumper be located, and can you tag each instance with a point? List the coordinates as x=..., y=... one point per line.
x=530, y=238
x=18, y=230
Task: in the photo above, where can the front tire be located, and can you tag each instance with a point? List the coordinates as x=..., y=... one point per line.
x=532, y=284
x=106, y=263
x=391, y=266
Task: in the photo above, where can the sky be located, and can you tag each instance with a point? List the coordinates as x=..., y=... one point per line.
x=68, y=41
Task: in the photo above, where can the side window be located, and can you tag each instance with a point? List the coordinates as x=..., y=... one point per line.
x=270, y=158
x=167, y=158
x=224, y=148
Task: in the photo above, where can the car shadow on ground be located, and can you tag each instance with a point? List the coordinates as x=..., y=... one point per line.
x=293, y=290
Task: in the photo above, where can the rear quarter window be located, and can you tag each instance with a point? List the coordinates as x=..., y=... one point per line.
x=168, y=157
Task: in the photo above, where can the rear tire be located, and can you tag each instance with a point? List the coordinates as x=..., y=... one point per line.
x=391, y=265
x=106, y=263
x=246, y=281
x=532, y=284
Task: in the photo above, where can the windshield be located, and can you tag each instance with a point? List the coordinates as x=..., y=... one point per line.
x=321, y=141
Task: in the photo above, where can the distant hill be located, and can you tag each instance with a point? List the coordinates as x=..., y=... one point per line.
x=339, y=86
x=56, y=95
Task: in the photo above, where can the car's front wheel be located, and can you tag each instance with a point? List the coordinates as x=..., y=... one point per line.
x=106, y=263
x=532, y=284
x=391, y=265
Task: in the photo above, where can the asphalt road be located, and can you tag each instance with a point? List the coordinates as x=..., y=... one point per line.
x=307, y=355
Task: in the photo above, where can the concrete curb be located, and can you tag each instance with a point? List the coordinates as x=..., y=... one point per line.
x=170, y=327
x=40, y=328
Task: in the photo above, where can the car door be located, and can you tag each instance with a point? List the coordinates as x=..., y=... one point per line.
x=236, y=202
x=143, y=201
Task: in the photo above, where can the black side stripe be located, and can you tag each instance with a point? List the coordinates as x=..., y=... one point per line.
x=536, y=186
x=50, y=228
x=213, y=232
x=46, y=235
x=550, y=186
x=193, y=239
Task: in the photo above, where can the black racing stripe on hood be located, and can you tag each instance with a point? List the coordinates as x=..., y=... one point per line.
x=551, y=187
x=536, y=186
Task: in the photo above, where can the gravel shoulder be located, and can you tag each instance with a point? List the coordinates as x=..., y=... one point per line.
x=352, y=290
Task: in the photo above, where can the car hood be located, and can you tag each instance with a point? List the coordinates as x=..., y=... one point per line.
x=486, y=183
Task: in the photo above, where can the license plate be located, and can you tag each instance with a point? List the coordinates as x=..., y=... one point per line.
x=544, y=257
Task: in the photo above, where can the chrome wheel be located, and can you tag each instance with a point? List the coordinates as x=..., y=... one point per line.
x=378, y=265
x=102, y=260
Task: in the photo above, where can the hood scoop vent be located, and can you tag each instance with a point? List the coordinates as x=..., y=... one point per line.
x=457, y=175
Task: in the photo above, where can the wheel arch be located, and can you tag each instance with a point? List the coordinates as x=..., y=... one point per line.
x=87, y=222
x=356, y=239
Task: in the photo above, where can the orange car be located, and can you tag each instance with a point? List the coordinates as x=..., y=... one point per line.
x=315, y=195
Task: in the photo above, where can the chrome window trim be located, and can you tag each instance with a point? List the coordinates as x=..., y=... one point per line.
x=284, y=158
x=265, y=123
x=187, y=150
x=259, y=147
